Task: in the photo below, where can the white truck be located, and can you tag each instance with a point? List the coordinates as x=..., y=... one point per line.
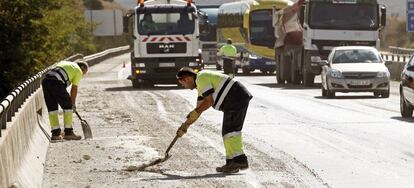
x=307, y=31
x=165, y=38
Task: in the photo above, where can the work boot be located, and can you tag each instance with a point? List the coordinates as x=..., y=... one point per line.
x=241, y=161
x=56, y=135
x=227, y=168
x=70, y=135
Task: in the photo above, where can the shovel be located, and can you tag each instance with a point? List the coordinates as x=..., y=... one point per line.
x=158, y=161
x=87, y=133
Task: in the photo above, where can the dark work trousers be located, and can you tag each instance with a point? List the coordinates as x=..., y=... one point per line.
x=228, y=65
x=55, y=94
x=235, y=108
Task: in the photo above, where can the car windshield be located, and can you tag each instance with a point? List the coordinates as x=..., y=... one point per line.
x=356, y=56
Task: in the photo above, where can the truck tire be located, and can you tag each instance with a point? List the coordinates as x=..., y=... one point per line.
x=296, y=58
x=286, y=66
x=308, y=77
x=136, y=84
x=279, y=77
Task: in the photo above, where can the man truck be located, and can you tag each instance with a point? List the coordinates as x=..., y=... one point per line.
x=165, y=38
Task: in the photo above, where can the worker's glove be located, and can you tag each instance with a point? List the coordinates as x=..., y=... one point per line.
x=183, y=129
x=192, y=117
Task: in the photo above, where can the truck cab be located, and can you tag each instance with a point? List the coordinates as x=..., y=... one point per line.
x=165, y=38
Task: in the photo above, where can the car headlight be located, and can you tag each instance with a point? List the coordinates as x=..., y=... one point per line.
x=193, y=64
x=335, y=73
x=252, y=56
x=382, y=74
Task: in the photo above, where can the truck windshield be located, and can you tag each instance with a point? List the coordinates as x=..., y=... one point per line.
x=208, y=29
x=261, y=29
x=165, y=23
x=355, y=56
x=343, y=16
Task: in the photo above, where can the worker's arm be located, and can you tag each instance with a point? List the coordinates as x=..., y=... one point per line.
x=73, y=93
x=202, y=105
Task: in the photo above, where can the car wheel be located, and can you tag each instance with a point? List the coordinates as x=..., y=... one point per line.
x=405, y=109
x=245, y=70
x=330, y=94
x=376, y=94
x=385, y=94
x=218, y=67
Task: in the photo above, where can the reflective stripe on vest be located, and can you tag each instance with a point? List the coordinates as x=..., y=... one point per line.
x=219, y=97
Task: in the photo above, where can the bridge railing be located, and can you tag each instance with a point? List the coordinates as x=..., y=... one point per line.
x=15, y=99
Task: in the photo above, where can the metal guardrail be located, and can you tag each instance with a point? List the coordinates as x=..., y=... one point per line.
x=399, y=50
x=402, y=58
x=16, y=98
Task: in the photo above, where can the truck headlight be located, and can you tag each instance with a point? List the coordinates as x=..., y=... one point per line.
x=335, y=73
x=316, y=59
x=193, y=64
x=139, y=65
x=382, y=74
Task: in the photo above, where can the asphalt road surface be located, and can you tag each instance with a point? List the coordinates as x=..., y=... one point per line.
x=293, y=137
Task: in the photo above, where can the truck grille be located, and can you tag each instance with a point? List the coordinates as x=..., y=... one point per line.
x=359, y=75
x=166, y=48
x=206, y=46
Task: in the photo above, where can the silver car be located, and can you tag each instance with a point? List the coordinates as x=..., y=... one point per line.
x=355, y=69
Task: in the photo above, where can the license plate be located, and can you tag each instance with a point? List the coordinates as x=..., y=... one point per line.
x=359, y=82
x=270, y=63
x=167, y=64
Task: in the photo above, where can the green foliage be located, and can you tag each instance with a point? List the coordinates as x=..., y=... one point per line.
x=37, y=33
x=93, y=4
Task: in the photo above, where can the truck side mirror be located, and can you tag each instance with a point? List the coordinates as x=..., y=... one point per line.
x=383, y=15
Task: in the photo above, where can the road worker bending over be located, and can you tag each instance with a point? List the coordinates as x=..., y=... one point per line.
x=54, y=87
x=224, y=94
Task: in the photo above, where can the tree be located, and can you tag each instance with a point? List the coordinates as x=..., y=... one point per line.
x=37, y=33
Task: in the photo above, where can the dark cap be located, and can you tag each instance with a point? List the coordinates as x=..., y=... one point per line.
x=185, y=71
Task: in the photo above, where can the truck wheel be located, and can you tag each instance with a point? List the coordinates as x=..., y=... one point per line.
x=286, y=66
x=308, y=78
x=294, y=74
x=136, y=84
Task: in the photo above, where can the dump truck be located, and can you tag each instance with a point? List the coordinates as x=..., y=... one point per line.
x=306, y=32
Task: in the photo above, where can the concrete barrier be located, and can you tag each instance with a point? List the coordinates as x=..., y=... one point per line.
x=23, y=146
x=24, y=139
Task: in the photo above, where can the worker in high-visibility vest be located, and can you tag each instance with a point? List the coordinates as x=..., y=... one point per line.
x=224, y=94
x=229, y=52
x=54, y=89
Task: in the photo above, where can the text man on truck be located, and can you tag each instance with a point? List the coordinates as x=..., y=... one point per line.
x=165, y=38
